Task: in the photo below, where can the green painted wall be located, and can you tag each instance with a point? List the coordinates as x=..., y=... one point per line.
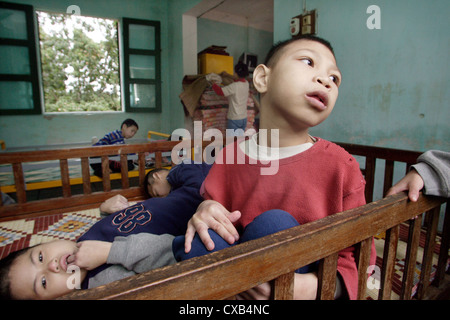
x=20, y=131
x=394, y=92
x=176, y=9
x=395, y=79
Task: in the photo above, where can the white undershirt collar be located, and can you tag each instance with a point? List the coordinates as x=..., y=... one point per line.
x=251, y=148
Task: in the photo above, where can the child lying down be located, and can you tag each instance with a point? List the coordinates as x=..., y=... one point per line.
x=53, y=269
x=115, y=247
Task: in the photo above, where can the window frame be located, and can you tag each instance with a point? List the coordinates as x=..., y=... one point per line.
x=124, y=51
x=119, y=46
x=31, y=45
x=156, y=53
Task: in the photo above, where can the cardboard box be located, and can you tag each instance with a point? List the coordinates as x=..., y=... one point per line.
x=217, y=63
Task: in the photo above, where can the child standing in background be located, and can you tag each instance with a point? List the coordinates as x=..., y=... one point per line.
x=237, y=94
x=127, y=130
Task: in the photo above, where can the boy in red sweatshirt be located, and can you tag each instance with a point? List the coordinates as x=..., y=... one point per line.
x=313, y=178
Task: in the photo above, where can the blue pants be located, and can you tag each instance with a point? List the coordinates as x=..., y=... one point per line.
x=237, y=124
x=267, y=223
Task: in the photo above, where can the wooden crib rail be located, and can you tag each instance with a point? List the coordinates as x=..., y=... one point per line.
x=389, y=155
x=223, y=274
x=24, y=208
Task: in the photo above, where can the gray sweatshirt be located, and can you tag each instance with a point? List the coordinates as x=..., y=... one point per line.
x=134, y=254
x=434, y=168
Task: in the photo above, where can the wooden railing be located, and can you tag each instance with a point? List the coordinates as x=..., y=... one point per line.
x=223, y=274
x=272, y=258
x=26, y=209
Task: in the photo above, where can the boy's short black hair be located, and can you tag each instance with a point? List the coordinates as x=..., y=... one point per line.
x=271, y=56
x=241, y=69
x=129, y=123
x=147, y=176
x=5, y=267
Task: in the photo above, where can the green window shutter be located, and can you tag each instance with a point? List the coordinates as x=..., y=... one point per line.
x=142, y=65
x=19, y=80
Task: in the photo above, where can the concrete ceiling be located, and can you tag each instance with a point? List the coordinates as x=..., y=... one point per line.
x=257, y=14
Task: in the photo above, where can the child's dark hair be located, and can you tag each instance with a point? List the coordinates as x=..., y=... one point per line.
x=5, y=267
x=271, y=57
x=147, y=176
x=129, y=123
x=241, y=69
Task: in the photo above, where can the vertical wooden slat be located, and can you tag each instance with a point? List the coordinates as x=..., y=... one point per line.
x=283, y=287
x=363, y=264
x=105, y=174
x=443, y=251
x=158, y=159
x=65, y=179
x=388, y=176
x=410, y=258
x=86, y=175
x=432, y=218
x=327, y=277
x=388, y=265
x=141, y=159
x=124, y=171
x=370, y=178
x=19, y=181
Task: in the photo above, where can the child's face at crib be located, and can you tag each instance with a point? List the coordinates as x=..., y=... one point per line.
x=157, y=185
x=129, y=132
x=302, y=85
x=41, y=272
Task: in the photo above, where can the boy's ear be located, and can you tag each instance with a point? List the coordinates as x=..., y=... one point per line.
x=157, y=175
x=261, y=77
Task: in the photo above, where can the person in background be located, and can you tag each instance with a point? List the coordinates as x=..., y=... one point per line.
x=128, y=129
x=237, y=94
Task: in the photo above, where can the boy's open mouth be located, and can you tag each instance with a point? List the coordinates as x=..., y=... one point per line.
x=318, y=99
x=63, y=262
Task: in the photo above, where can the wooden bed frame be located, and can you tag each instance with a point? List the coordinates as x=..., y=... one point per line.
x=274, y=258
x=52, y=183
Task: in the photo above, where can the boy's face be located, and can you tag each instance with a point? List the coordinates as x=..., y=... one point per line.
x=302, y=86
x=129, y=132
x=157, y=185
x=41, y=272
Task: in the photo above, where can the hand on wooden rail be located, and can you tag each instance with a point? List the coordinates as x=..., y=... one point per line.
x=412, y=183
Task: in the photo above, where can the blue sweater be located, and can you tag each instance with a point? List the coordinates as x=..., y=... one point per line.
x=155, y=215
x=114, y=137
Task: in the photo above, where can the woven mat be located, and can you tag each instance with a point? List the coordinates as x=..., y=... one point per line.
x=372, y=294
x=19, y=234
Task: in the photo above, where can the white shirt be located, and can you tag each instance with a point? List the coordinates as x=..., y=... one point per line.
x=251, y=148
x=237, y=94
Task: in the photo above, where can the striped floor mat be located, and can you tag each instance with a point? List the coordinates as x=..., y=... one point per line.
x=19, y=234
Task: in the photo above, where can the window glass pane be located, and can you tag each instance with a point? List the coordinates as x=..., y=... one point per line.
x=142, y=67
x=79, y=62
x=15, y=60
x=13, y=24
x=142, y=96
x=16, y=95
x=142, y=37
